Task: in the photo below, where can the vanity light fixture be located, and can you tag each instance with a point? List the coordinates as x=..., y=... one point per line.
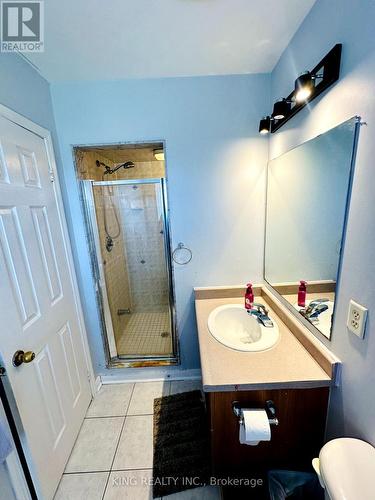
x=159, y=154
x=303, y=87
x=281, y=109
x=264, y=125
x=307, y=86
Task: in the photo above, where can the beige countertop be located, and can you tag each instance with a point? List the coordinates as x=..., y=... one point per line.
x=292, y=298
x=286, y=365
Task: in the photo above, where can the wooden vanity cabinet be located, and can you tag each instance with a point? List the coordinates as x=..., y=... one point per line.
x=294, y=442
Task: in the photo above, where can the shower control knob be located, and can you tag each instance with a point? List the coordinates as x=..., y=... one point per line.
x=109, y=244
x=143, y=261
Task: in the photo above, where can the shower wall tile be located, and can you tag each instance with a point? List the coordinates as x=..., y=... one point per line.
x=114, y=262
x=143, y=170
x=135, y=269
x=144, y=242
x=86, y=165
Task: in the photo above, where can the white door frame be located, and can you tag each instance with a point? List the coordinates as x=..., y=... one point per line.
x=46, y=136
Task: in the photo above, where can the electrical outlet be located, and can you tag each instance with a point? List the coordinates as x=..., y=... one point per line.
x=356, y=321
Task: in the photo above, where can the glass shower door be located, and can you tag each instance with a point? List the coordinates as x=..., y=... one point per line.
x=134, y=250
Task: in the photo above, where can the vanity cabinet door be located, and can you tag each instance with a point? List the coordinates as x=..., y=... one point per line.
x=294, y=442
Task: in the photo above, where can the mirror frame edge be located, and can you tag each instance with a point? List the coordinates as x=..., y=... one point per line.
x=313, y=329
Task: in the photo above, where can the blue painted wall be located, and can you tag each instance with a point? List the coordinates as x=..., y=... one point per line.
x=352, y=408
x=23, y=90
x=216, y=173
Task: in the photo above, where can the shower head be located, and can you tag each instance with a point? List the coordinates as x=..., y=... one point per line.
x=109, y=170
x=127, y=164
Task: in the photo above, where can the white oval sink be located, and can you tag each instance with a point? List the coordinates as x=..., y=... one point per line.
x=234, y=327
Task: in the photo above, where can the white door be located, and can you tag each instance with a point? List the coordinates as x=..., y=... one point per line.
x=38, y=307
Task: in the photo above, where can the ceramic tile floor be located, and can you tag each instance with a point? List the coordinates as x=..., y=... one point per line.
x=112, y=457
x=142, y=334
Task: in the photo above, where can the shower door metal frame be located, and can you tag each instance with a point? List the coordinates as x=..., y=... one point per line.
x=98, y=270
x=113, y=359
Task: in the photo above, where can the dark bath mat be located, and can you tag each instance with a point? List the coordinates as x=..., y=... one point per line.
x=181, y=443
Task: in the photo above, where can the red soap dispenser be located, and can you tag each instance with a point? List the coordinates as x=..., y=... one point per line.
x=302, y=294
x=249, y=296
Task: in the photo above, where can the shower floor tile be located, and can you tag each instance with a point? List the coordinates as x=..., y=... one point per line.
x=142, y=334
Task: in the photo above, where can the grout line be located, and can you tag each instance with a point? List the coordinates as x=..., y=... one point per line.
x=118, y=442
x=111, y=469
x=107, y=471
x=84, y=472
x=129, y=470
x=74, y=444
x=105, y=416
x=140, y=415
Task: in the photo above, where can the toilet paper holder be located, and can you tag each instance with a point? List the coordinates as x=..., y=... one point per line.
x=269, y=407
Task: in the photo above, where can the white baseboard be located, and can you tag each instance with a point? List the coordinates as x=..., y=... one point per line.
x=98, y=383
x=150, y=376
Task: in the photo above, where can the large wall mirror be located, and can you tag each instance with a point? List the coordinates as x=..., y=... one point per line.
x=308, y=193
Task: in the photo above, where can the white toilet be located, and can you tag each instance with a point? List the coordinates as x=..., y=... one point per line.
x=346, y=469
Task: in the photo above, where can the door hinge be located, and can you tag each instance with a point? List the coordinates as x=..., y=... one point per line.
x=51, y=174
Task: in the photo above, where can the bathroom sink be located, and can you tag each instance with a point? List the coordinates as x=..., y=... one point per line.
x=324, y=323
x=234, y=327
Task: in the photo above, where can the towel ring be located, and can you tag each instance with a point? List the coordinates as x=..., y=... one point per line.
x=182, y=255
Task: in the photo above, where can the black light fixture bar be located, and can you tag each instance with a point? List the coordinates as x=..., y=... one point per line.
x=324, y=74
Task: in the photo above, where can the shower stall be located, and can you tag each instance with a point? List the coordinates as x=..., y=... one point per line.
x=128, y=233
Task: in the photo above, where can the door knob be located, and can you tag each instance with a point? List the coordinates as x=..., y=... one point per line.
x=23, y=357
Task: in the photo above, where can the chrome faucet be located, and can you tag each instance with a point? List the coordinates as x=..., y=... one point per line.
x=314, y=309
x=261, y=313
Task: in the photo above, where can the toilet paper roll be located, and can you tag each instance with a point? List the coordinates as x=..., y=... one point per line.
x=255, y=427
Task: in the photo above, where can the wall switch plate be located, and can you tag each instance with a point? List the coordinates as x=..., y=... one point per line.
x=356, y=321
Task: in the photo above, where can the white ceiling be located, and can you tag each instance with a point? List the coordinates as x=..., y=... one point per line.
x=115, y=39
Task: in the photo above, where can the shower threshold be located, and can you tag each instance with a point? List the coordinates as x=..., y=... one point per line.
x=142, y=361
